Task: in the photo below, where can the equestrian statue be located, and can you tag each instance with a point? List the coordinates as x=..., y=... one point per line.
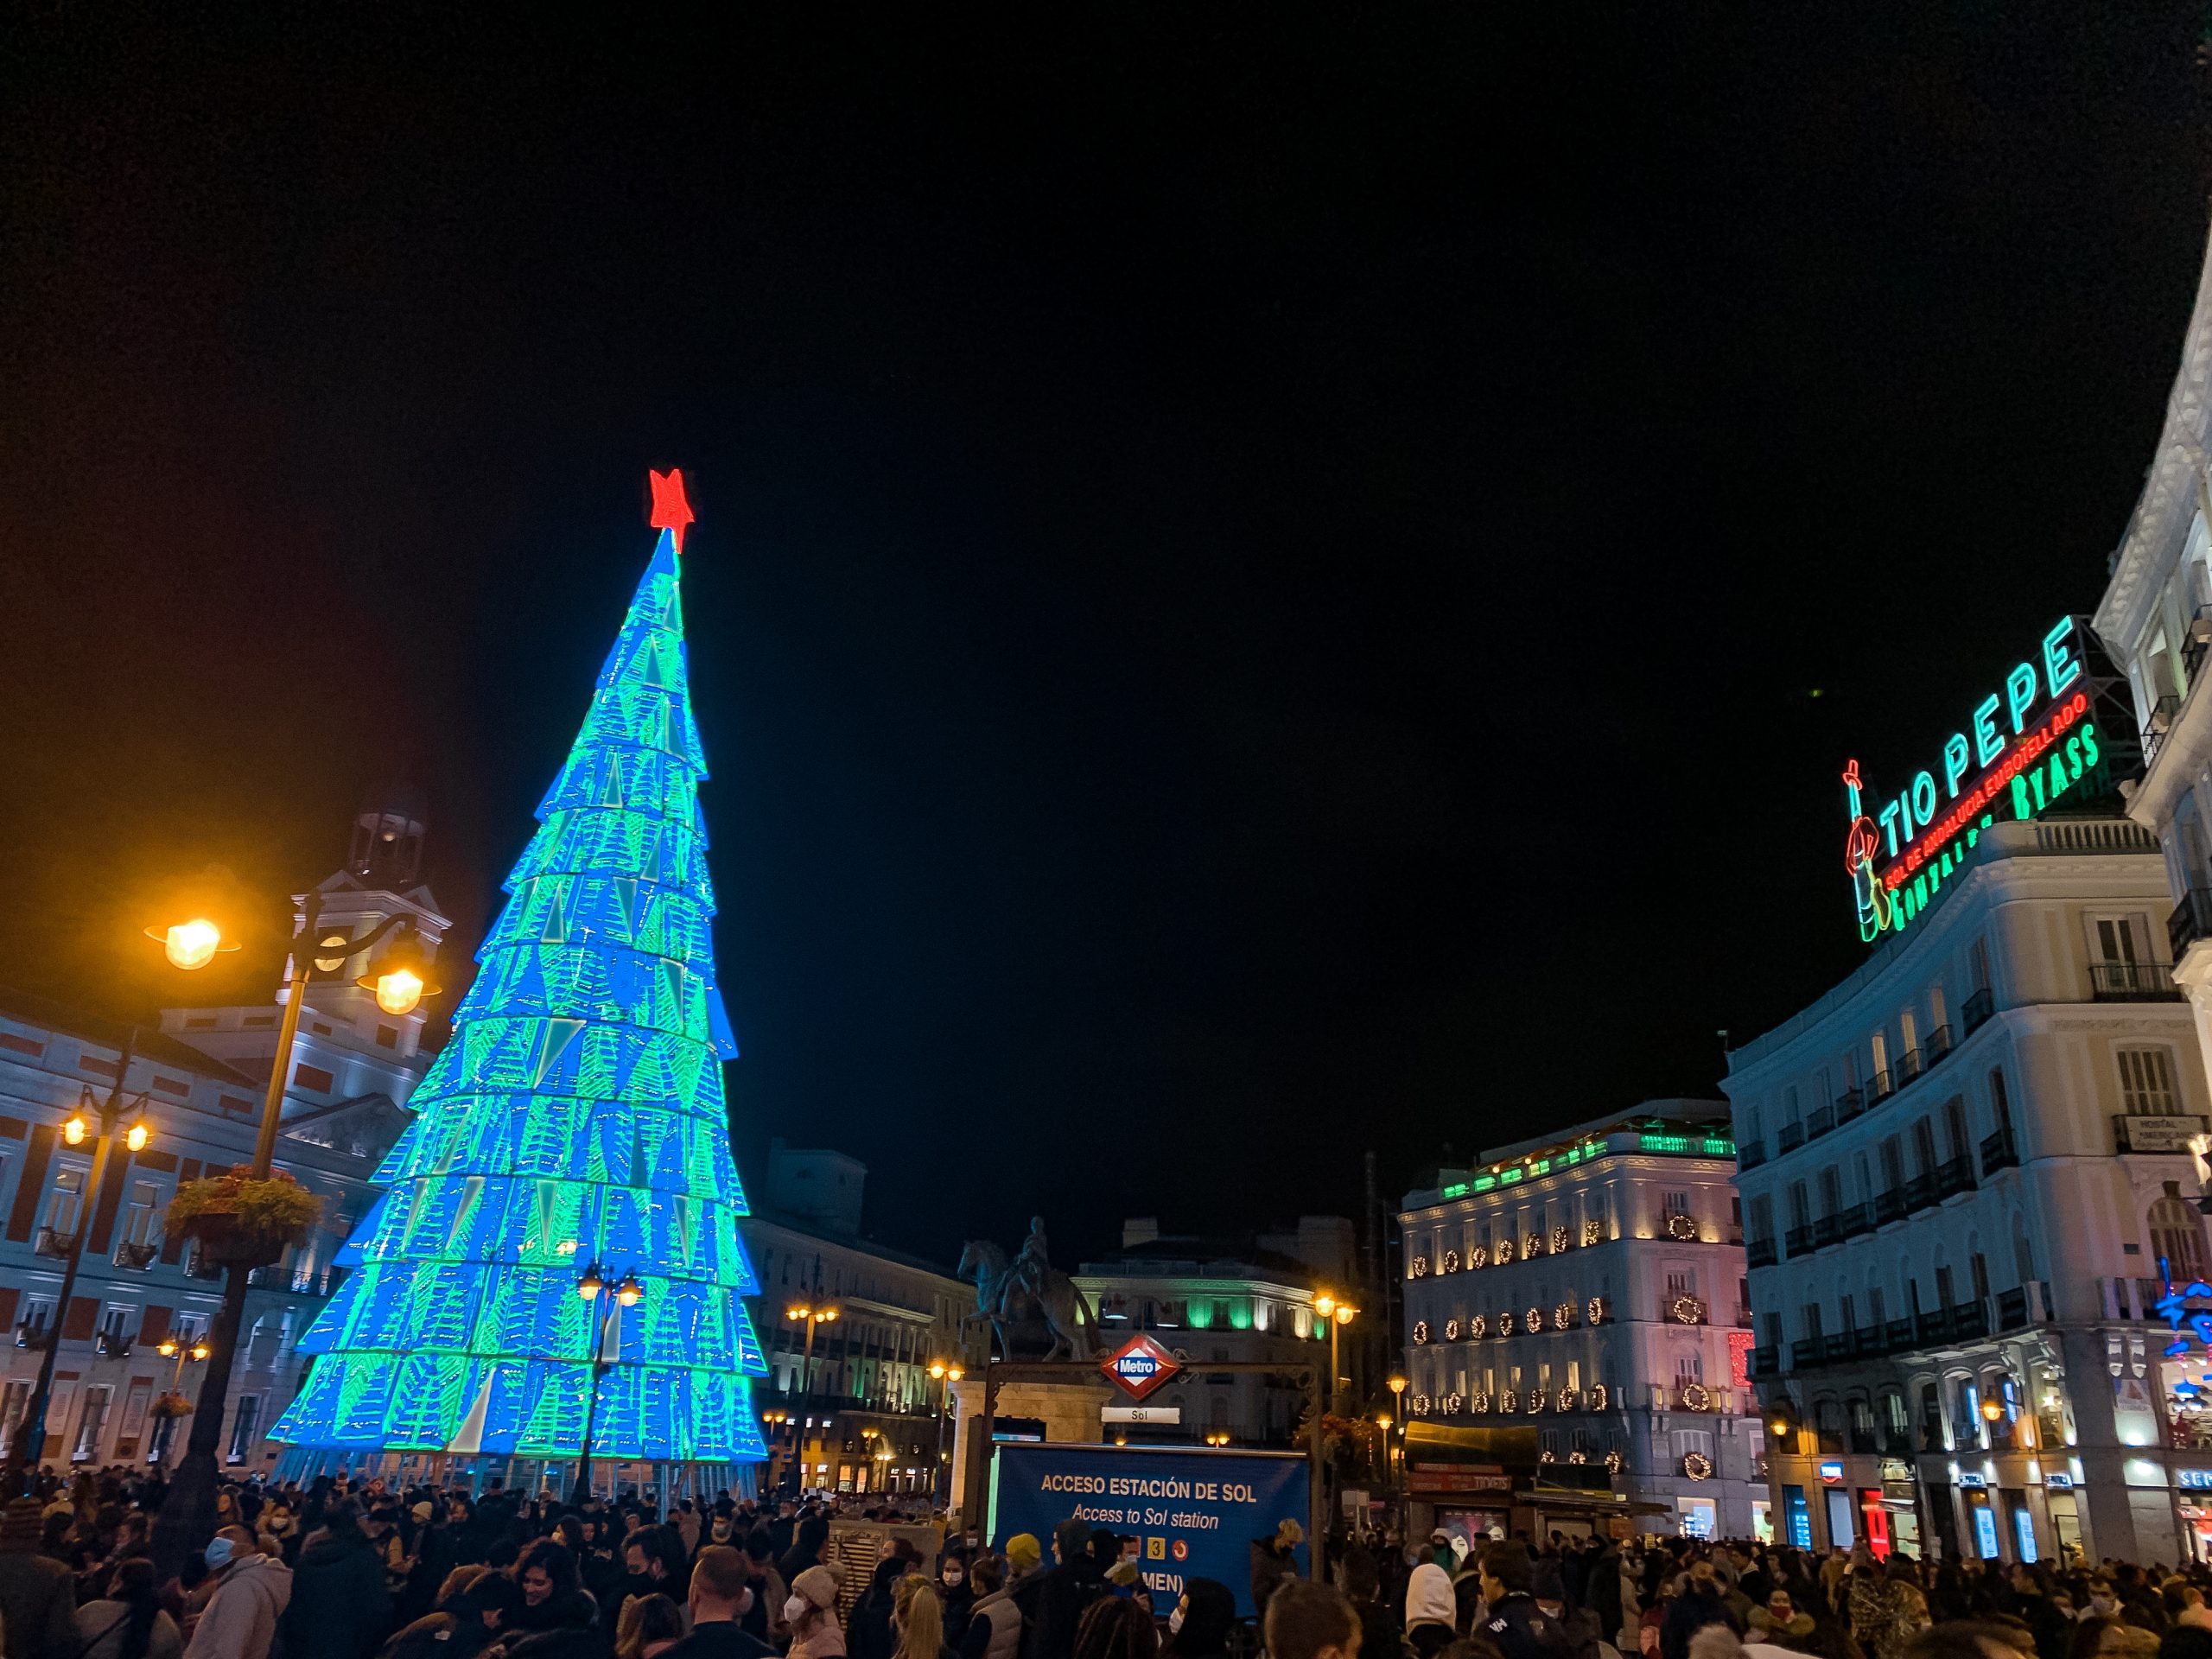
x=1004, y=1289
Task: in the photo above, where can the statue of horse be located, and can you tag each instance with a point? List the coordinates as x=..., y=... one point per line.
x=1067, y=1316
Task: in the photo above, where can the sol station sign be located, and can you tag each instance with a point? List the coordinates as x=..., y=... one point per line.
x=1140, y=1365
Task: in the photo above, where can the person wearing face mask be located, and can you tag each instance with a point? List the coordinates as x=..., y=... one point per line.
x=1197, y=1625
x=251, y=1595
x=811, y=1612
x=956, y=1596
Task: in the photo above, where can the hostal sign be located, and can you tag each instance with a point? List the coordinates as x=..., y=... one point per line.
x=2049, y=736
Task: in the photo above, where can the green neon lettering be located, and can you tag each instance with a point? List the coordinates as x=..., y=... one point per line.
x=1919, y=893
x=2034, y=787
x=2088, y=744
x=2021, y=810
x=2061, y=667
x=2058, y=778
x=1889, y=823
x=1923, y=800
x=2073, y=758
x=1988, y=746
x=2020, y=695
x=1954, y=763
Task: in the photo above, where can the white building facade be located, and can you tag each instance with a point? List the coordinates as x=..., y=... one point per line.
x=1960, y=1169
x=1592, y=1286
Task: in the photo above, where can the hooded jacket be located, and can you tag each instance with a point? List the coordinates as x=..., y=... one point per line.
x=340, y=1608
x=1431, y=1607
x=240, y=1620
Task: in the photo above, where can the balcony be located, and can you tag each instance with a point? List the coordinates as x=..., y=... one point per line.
x=1819, y=1122
x=1931, y=1327
x=2012, y=1308
x=1798, y=1241
x=1879, y=1087
x=1909, y=1066
x=1869, y=1342
x=1970, y=1321
x=2160, y=1133
x=57, y=1245
x=1937, y=1044
x=1889, y=1206
x=1897, y=1336
x=1854, y=1219
x=1826, y=1231
x=197, y=1266
x=1997, y=1152
x=1919, y=1193
x=1851, y=1104
x=1765, y=1361
x=2164, y=713
x=1788, y=1138
x=1954, y=1176
x=2132, y=982
x=136, y=1257
x=1805, y=1353
x=113, y=1343
x=29, y=1335
x=1836, y=1346
x=1976, y=1012
x=1750, y=1154
x=1760, y=1253
x=2192, y=921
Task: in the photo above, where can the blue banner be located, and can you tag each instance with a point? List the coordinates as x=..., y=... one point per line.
x=1190, y=1514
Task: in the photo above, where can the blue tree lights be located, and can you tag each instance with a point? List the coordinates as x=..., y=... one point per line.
x=577, y=1117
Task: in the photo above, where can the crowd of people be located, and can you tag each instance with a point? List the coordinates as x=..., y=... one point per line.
x=343, y=1570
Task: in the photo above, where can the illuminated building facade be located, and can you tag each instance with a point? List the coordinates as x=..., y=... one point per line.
x=861, y=1412
x=1590, y=1285
x=202, y=1075
x=1230, y=1301
x=1959, y=1170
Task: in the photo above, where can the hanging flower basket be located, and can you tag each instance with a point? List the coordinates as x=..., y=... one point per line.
x=170, y=1404
x=242, y=1221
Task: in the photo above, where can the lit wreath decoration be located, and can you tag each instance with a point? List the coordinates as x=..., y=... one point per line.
x=1420, y=1332
x=1532, y=1247
x=1559, y=1241
x=1504, y=1254
x=1697, y=1465
x=1682, y=1226
x=1505, y=1324
x=1596, y=1396
x=1547, y=1456
x=1613, y=1462
x=1696, y=1397
x=1423, y=1405
x=1570, y=1400
x=1535, y=1401
x=1480, y=1404
x=1507, y=1401
x=1593, y=1232
x=1478, y=1325
x=1451, y=1330
x=1420, y=1267
x=1533, y=1319
x=1596, y=1310
x=1563, y=1315
x=1686, y=1310
x=1450, y=1262
x=1479, y=1257
x=1578, y=1457
x=1455, y=1404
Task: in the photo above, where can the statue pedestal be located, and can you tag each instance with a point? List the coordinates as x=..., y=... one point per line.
x=1069, y=1411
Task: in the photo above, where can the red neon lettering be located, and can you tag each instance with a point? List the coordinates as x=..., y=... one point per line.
x=2032, y=747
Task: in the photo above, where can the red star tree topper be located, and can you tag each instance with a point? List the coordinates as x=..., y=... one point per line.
x=671, y=511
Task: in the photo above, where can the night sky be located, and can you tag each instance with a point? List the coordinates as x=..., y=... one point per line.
x=1259, y=592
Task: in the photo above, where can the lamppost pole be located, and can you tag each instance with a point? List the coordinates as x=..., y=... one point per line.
x=187, y=1514
x=628, y=1293
x=802, y=1314
x=30, y=1438
x=940, y=1486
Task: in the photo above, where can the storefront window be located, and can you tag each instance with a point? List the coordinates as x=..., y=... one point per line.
x=1797, y=1517
x=1694, y=1517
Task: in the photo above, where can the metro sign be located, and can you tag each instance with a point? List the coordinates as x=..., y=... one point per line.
x=1140, y=1365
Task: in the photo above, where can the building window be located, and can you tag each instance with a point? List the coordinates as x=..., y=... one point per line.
x=2178, y=1237
x=2147, y=1082
x=145, y=1210
x=1689, y=1367
x=243, y=1432
x=67, y=1202
x=1674, y=1203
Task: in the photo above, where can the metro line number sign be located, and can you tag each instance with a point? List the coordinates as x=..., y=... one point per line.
x=1140, y=1365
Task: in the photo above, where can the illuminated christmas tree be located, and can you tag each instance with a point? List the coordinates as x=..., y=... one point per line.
x=574, y=1120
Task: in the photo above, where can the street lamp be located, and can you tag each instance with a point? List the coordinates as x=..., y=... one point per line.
x=102, y=1122
x=1339, y=1313
x=1217, y=1437
x=187, y=1515
x=624, y=1293
x=949, y=1373
x=170, y=1348
x=810, y=1316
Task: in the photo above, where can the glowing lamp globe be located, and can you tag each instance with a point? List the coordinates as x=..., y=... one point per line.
x=590, y=1285
x=167, y=1350
x=402, y=980
x=629, y=1293
x=192, y=944
x=398, y=993
x=200, y=1351
x=136, y=1135
x=75, y=1130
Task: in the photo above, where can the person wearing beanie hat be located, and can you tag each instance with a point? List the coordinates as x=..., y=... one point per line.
x=811, y=1611
x=1023, y=1552
x=38, y=1597
x=1275, y=1558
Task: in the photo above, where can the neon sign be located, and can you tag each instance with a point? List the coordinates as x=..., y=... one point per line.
x=1900, y=850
